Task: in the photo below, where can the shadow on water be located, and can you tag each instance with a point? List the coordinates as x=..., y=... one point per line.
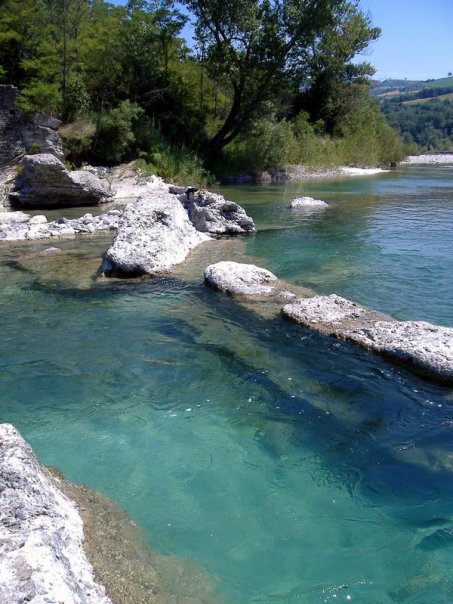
x=381, y=433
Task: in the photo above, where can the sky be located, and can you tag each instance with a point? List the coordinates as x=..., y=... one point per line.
x=416, y=41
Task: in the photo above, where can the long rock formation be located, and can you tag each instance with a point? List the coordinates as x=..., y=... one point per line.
x=41, y=533
x=418, y=345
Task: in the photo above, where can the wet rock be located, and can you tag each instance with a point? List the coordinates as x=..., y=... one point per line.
x=422, y=346
x=41, y=533
x=213, y=214
x=304, y=202
x=153, y=234
x=244, y=280
x=44, y=182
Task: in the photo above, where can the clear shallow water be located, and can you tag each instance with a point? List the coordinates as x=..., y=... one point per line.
x=293, y=467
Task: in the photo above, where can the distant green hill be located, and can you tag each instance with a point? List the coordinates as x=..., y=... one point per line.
x=411, y=88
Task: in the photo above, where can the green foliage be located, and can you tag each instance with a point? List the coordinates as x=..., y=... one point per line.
x=78, y=138
x=429, y=125
x=115, y=136
x=268, y=144
x=271, y=83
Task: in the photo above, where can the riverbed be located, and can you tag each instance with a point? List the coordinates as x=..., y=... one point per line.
x=292, y=467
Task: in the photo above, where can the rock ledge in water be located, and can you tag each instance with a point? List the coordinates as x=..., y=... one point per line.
x=248, y=280
x=41, y=533
x=44, y=182
x=307, y=202
x=153, y=234
x=425, y=347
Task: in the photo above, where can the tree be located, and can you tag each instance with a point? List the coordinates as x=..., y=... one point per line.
x=256, y=47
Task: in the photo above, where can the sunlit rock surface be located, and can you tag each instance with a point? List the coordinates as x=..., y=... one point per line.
x=44, y=182
x=425, y=347
x=41, y=533
x=307, y=202
x=153, y=234
x=244, y=280
x=213, y=214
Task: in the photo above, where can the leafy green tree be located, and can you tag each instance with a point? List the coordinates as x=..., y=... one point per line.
x=257, y=46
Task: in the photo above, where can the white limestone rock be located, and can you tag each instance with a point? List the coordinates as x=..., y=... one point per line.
x=422, y=346
x=44, y=182
x=248, y=280
x=213, y=214
x=425, y=346
x=41, y=534
x=153, y=234
x=307, y=202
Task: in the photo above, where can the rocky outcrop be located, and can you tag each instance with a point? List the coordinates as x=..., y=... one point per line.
x=422, y=346
x=213, y=214
x=44, y=182
x=17, y=226
x=41, y=533
x=247, y=280
x=307, y=202
x=20, y=134
x=154, y=234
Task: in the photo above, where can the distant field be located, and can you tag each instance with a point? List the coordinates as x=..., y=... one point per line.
x=441, y=97
x=442, y=83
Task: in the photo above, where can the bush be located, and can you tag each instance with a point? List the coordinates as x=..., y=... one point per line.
x=115, y=135
x=78, y=138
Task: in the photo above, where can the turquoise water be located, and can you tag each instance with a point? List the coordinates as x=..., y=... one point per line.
x=294, y=468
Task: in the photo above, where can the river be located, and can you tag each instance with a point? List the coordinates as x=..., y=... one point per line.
x=291, y=466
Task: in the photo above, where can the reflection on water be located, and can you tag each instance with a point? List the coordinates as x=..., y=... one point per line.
x=293, y=467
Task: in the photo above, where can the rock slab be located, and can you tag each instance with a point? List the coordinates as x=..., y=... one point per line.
x=41, y=534
x=248, y=280
x=422, y=346
x=307, y=202
x=44, y=182
x=153, y=234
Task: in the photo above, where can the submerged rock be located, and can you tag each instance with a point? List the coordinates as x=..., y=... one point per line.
x=244, y=280
x=425, y=347
x=213, y=214
x=153, y=234
x=41, y=533
x=310, y=202
x=44, y=182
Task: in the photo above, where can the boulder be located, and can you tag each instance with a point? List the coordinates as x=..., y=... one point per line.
x=153, y=234
x=422, y=346
x=247, y=280
x=307, y=202
x=41, y=533
x=213, y=214
x=44, y=182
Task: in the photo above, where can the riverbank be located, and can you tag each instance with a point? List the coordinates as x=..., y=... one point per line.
x=429, y=159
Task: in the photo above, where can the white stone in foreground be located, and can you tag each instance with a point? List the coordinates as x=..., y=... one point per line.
x=307, y=202
x=153, y=235
x=41, y=534
x=239, y=279
x=426, y=347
